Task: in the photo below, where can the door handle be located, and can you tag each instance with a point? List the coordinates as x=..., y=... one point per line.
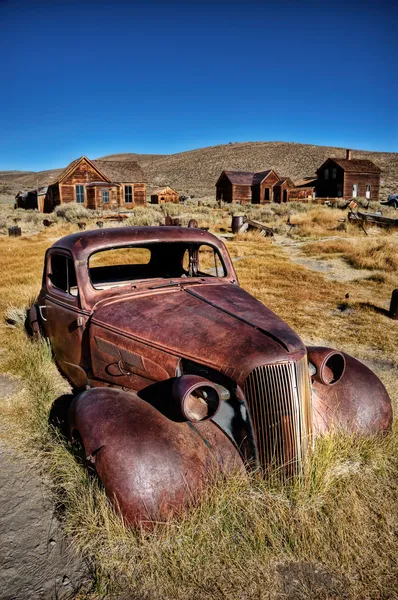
x=41, y=311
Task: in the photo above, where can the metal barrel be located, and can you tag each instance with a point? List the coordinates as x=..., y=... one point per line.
x=237, y=222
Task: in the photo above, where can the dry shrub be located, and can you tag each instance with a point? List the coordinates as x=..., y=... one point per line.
x=379, y=254
x=73, y=212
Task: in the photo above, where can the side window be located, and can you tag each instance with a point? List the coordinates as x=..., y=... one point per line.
x=128, y=194
x=80, y=194
x=326, y=173
x=334, y=173
x=62, y=274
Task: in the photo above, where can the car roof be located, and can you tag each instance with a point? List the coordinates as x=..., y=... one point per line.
x=84, y=243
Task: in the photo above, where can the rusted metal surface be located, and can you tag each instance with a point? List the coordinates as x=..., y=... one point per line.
x=189, y=372
x=237, y=222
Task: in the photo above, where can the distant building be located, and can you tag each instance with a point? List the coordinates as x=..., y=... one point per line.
x=96, y=184
x=348, y=178
x=244, y=187
x=166, y=194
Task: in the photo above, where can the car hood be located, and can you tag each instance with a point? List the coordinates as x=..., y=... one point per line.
x=216, y=324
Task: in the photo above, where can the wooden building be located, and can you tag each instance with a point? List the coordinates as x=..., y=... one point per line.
x=26, y=200
x=284, y=190
x=348, y=178
x=166, y=194
x=244, y=187
x=96, y=184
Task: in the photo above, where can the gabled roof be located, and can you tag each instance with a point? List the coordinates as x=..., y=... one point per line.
x=246, y=177
x=353, y=165
x=284, y=180
x=305, y=182
x=260, y=176
x=72, y=166
x=165, y=190
x=113, y=171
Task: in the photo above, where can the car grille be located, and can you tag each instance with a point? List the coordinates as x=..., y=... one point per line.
x=279, y=399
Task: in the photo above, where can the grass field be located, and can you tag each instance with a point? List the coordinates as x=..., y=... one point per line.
x=332, y=535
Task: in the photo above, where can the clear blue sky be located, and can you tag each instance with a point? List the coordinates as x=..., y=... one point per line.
x=102, y=77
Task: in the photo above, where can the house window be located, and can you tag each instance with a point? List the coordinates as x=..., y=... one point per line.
x=326, y=173
x=354, y=190
x=368, y=191
x=105, y=196
x=80, y=194
x=128, y=194
x=334, y=173
x=266, y=194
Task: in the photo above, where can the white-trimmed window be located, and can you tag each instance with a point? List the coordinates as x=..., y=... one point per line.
x=128, y=194
x=326, y=173
x=354, y=190
x=105, y=196
x=79, y=194
x=334, y=173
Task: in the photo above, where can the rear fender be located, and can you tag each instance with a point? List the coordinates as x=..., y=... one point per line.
x=149, y=465
x=358, y=402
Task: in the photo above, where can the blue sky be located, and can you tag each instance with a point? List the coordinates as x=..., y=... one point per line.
x=98, y=77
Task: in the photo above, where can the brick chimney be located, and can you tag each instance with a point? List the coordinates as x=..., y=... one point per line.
x=348, y=154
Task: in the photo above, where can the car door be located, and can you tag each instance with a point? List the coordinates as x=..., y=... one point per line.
x=65, y=321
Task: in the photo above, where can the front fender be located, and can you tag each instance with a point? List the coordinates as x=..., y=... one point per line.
x=357, y=403
x=149, y=465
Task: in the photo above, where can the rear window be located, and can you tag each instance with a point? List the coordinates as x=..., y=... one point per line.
x=122, y=266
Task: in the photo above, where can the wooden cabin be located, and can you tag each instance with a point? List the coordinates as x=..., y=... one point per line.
x=283, y=190
x=348, y=178
x=244, y=187
x=166, y=194
x=96, y=184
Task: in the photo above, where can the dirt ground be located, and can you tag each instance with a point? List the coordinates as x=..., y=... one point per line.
x=36, y=561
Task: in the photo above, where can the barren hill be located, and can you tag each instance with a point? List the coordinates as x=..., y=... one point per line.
x=196, y=171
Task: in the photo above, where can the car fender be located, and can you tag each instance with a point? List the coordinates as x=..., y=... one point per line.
x=358, y=402
x=150, y=466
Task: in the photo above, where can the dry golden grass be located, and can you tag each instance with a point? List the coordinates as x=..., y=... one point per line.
x=332, y=535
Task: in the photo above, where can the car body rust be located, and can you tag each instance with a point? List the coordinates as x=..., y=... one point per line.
x=180, y=374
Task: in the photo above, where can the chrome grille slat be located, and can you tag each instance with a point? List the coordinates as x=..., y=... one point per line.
x=279, y=399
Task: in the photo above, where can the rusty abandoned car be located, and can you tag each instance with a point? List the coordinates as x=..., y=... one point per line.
x=178, y=371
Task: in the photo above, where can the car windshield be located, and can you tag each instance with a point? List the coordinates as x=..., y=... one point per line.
x=124, y=265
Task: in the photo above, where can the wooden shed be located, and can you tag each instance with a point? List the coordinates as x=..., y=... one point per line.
x=97, y=184
x=348, y=178
x=166, y=194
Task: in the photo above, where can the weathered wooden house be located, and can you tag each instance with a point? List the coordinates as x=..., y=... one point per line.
x=166, y=194
x=283, y=190
x=348, y=178
x=96, y=184
x=26, y=200
x=244, y=187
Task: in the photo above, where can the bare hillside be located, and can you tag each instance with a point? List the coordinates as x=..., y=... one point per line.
x=196, y=171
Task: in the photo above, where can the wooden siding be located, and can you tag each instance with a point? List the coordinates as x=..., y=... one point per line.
x=165, y=195
x=241, y=194
x=224, y=189
x=139, y=194
x=362, y=180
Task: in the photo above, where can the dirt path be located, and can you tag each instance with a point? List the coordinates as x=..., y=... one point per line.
x=36, y=561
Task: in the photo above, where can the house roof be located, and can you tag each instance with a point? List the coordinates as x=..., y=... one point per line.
x=164, y=190
x=284, y=180
x=260, y=176
x=128, y=171
x=307, y=182
x=240, y=177
x=247, y=177
x=354, y=165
